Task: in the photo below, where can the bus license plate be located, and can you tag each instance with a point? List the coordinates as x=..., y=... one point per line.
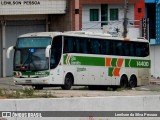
x=28, y=81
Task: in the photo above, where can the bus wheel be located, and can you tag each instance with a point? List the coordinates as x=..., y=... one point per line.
x=68, y=82
x=124, y=82
x=132, y=82
x=37, y=87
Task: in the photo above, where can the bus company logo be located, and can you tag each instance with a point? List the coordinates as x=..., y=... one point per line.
x=71, y=60
x=68, y=60
x=6, y=114
x=21, y=114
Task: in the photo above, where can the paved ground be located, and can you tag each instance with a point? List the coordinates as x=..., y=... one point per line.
x=8, y=83
x=81, y=91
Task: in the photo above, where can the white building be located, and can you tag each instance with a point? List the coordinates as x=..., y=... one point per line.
x=95, y=16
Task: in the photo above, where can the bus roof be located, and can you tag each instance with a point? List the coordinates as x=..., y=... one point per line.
x=40, y=34
x=100, y=35
x=81, y=34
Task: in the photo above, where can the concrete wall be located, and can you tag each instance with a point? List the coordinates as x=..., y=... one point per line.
x=61, y=22
x=155, y=60
x=111, y=103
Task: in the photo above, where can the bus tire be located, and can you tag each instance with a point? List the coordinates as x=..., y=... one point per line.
x=37, y=87
x=133, y=81
x=124, y=82
x=68, y=82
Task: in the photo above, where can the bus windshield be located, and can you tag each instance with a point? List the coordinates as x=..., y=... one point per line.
x=30, y=59
x=30, y=54
x=33, y=42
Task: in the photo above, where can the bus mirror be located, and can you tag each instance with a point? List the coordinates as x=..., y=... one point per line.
x=47, y=50
x=9, y=51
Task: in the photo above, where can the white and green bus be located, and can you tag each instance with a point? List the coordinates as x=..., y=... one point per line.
x=79, y=58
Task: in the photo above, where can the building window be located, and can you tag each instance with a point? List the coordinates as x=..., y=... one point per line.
x=113, y=14
x=76, y=11
x=139, y=10
x=94, y=14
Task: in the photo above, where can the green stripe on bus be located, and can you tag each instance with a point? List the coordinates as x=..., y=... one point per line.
x=83, y=60
x=114, y=62
x=64, y=59
x=136, y=63
x=127, y=64
x=99, y=61
x=92, y=61
x=110, y=71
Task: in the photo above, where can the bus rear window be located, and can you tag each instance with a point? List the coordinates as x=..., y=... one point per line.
x=33, y=42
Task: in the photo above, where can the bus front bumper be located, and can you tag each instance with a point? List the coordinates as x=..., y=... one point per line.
x=31, y=81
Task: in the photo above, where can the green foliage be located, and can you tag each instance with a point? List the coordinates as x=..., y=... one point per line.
x=47, y=94
x=28, y=92
x=1, y=93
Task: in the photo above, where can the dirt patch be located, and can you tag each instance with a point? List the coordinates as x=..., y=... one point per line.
x=2, y=97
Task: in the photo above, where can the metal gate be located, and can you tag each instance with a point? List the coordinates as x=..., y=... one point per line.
x=16, y=28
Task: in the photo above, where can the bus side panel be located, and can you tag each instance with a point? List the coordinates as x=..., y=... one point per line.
x=104, y=77
x=98, y=75
x=56, y=75
x=94, y=76
x=81, y=75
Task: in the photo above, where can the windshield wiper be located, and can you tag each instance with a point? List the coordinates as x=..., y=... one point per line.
x=29, y=60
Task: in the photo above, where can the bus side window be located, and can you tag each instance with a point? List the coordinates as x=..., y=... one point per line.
x=126, y=47
x=109, y=47
x=83, y=45
x=95, y=47
x=68, y=45
x=138, y=50
x=146, y=50
x=65, y=46
x=132, y=49
x=114, y=47
x=119, y=48
x=103, y=47
x=77, y=42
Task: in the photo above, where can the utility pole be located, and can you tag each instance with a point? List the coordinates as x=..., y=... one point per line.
x=125, y=22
